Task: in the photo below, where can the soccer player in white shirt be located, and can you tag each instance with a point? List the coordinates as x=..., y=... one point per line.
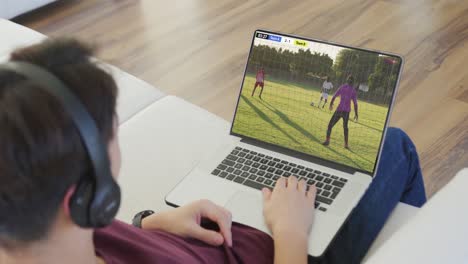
x=326, y=87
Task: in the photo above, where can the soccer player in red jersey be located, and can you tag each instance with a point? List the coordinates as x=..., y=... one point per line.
x=259, y=81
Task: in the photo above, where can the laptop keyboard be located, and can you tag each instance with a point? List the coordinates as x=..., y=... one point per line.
x=258, y=170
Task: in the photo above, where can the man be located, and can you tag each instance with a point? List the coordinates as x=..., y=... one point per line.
x=259, y=81
x=326, y=87
x=347, y=94
x=42, y=159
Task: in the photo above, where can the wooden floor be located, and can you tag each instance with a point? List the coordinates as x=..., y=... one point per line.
x=197, y=50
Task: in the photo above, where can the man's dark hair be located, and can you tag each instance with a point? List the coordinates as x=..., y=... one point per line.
x=350, y=79
x=41, y=153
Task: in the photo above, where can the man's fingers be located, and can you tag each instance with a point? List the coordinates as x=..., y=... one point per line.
x=208, y=236
x=280, y=183
x=302, y=186
x=292, y=182
x=226, y=231
x=266, y=194
x=227, y=212
x=312, y=192
x=218, y=215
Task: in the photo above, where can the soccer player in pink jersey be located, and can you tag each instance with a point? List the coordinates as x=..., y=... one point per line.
x=346, y=93
x=259, y=81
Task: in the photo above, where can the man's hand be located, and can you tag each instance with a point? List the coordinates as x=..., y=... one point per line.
x=356, y=117
x=289, y=208
x=185, y=221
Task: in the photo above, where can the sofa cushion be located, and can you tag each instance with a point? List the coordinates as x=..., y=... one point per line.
x=134, y=94
x=160, y=145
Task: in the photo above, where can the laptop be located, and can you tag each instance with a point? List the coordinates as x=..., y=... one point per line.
x=283, y=125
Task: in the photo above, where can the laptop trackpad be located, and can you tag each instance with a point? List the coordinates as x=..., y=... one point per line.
x=247, y=209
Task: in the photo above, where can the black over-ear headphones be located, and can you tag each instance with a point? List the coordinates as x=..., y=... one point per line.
x=96, y=199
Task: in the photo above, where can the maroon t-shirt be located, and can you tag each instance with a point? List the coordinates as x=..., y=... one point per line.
x=123, y=243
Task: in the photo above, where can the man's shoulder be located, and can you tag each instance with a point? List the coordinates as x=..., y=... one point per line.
x=349, y=89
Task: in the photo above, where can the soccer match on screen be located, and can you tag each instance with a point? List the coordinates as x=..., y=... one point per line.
x=324, y=100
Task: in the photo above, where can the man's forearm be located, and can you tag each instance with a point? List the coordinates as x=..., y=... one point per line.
x=290, y=248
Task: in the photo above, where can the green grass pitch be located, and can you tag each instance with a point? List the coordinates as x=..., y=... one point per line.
x=285, y=117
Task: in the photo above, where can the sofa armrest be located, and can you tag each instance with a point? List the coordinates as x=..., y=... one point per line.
x=402, y=214
x=134, y=94
x=15, y=36
x=438, y=233
x=12, y=8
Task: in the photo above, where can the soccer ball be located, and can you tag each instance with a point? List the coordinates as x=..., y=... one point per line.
x=312, y=104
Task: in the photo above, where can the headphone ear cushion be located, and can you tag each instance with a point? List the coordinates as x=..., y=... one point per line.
x=105, y=204
x=80, y=202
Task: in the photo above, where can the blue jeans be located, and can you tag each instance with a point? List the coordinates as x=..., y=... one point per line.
x=398, y=179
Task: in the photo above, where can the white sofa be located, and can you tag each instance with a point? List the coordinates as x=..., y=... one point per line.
x=162, y=137
x=13, y=8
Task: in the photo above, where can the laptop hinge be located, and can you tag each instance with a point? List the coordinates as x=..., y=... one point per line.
x=298, y=155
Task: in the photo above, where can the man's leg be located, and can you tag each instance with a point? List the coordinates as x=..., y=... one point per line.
x=398, y=179
x=335, y=118
x=345, y=128
x=261, y=91
x=324, y=103
x=255, y=87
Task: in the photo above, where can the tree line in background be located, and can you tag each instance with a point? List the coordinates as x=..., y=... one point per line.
x=377, y=73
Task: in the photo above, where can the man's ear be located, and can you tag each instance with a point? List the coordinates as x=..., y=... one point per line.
x=66, y=200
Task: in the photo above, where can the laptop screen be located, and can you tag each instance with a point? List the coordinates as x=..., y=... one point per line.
x=324, y=100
